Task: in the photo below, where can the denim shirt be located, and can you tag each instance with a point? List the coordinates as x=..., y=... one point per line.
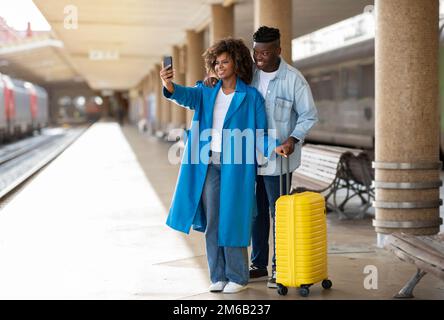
x=290, y=110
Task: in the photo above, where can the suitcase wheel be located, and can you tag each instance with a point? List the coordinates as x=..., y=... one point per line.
x=326, y=284
x=282, y=290
x=304, y=291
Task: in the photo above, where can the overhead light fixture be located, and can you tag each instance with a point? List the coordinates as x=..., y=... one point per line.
x=107, y=93
x=45, y=63
x=98, y=55
x=103, y=83
x=98, y=100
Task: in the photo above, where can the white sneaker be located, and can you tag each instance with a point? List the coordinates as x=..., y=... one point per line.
x=217, y=286
x=233, y=287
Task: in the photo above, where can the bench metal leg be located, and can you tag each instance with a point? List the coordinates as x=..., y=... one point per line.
x=352, y=190
x=350, y=193
x=407, y=290
x=338, y=185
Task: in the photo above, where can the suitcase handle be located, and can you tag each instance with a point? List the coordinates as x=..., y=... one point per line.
x=287, y=177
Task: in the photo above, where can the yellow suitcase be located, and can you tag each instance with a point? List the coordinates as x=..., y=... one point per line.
x=301, y=241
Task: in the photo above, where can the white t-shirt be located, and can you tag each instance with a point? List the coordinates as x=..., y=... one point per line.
x=264, y=80
x=220, y=111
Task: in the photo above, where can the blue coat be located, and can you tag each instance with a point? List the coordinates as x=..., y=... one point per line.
x=237, y=185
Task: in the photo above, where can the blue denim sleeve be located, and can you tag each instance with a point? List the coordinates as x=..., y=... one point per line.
x=305, y=107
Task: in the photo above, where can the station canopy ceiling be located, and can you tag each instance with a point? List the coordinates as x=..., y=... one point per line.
x=117, y=42
x=40, y=59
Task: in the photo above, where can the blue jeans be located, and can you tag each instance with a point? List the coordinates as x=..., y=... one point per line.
x=224, y=263
x=267, y=192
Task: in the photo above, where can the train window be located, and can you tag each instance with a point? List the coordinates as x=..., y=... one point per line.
x=313, y=83
x=327, y=87
x=79, y=103
x=322, y=86
x=98, y=100
x=349, y=82
x=64, y=101
x=367, y=85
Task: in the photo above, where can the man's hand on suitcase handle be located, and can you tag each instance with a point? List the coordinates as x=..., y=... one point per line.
x=280, y=151
x=286, y=148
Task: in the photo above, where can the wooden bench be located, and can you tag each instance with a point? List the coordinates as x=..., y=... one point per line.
x=425, y=252
x=328, y=169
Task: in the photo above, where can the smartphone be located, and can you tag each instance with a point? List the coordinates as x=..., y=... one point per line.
x=168, y=61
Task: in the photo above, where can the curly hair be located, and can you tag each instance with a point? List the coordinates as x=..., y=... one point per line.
x=266, y=34
x=239, y=53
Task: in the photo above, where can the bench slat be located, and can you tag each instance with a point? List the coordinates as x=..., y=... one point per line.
x=302, y=181
x=320, y=154
x=418, y=252
x=329, y=164
x=317, y=176
x=318, y=173
x=310, y=163
x=340, y=150
x=326, y=152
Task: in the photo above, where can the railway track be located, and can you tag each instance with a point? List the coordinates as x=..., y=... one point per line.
x=21, y=160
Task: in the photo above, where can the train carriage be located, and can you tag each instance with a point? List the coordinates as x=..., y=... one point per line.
x=342, y=82
x=343, y=85
x=23, y=108
x=22, y=120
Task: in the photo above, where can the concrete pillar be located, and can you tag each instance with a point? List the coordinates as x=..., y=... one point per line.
x=222, y=22
x=178, y=117
x=150, y=91
x=276, y=14
x=165, y=111
x=157, y=90
x=407, y=118
x=150, y=108
x=195, y=69
x=134, y=112
x=106, y=107
x=167, y=114
x=146, y=92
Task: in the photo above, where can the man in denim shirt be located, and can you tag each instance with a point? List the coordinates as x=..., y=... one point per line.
x=291, y=112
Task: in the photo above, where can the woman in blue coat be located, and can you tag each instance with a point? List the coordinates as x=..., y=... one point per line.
x=215, y=191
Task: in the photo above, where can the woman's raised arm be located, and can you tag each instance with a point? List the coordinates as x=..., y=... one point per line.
x=188, y=97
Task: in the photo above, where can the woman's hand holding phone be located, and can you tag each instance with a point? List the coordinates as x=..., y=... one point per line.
x=167, y=76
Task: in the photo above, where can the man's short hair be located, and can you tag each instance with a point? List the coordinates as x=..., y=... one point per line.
x=266, y=34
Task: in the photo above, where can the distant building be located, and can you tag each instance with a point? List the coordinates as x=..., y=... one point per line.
x=7, y=33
